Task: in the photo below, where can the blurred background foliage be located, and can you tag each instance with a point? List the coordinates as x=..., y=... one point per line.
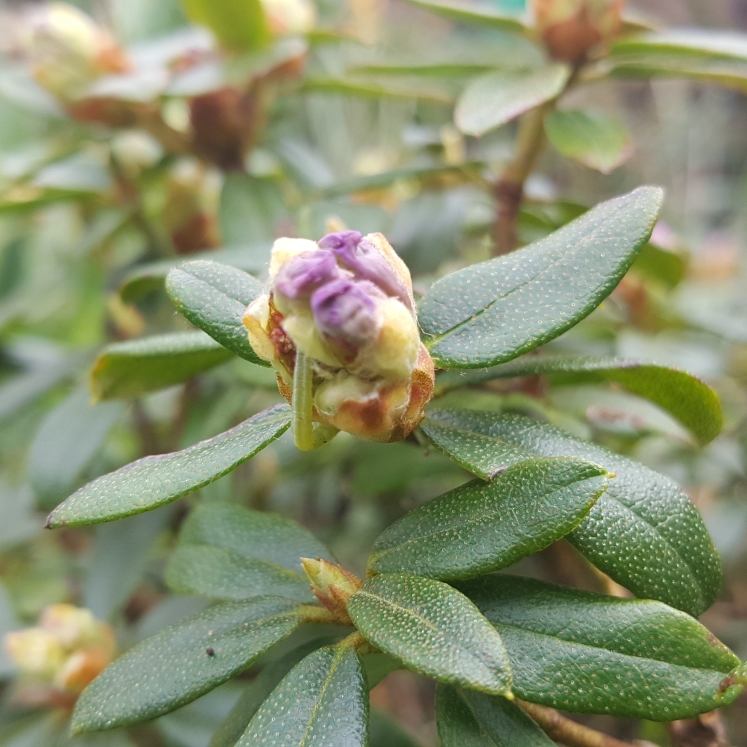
x=208, y=149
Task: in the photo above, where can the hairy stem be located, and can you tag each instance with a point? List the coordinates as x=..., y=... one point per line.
x=302, y=424
x=568, y=732
x=311, y=614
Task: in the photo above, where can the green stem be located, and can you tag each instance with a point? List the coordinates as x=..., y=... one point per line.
x=302, y=424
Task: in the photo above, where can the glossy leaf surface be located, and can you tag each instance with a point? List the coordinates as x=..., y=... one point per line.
x=581, y=651
x=684, y=396
x=593, y=139
x=174, y=666
x=322, y=702
x=214, y=297
x=157, y=480
x=479, y=527
x=470, y=719
x=220, y=573
x=498, y=97
x=433, y=629
x=643, y=531
x=135, y=367
x=253, y=534
x=494, y=311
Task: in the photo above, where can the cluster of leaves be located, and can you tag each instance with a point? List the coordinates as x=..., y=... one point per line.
x=432, y=602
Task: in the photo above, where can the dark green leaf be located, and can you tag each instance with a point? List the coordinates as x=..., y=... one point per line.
x=479, y=527
x=255, y=693
x=643, y=531
x=136, y=367
x=174, y=667
x=146, y=278
x=157, y=480
x=593, y=139
x=322, y=702
x=469, y=719
x=498, y=97
x=219, y=573
x=253, y=534
x=214, y=297
x=494, y=311
x=483, y=14
x=685, y=397
x=386, y=732
x=237, y=24
x=580, y=651
x=66, y=442
x=433, y=629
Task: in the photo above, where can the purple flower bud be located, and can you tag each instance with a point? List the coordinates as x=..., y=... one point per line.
x=302, y=275
x=345, y=310
x=367, y=262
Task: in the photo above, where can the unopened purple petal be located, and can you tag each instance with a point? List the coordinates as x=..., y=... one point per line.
x=346, y=311
x=367, y=262
x=301, y=276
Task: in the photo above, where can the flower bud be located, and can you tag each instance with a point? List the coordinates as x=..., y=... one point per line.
x=332, y=585
x=571, y=28
x=66, y=651
x=345, y=303
x=290, y=16
x=67, y=49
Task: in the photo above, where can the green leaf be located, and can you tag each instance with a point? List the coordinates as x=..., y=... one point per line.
x=386, y=732
x=256, y=693
x=469, y=719
x=697, y=43
x=322, y=702
x=135, y=367
x=587, y=652
x=593, y=139
x=146, y=278
x=255, y=535
x=494, y=311
x=682, y=395
x=237, y=24
x=479, y=527
x=214, y=297
x=437, y=70
x=219, y=573
x=174, y=667
x=433, y=629
x=67, y=440
x=498, y=97
x=157, y=480
x=482, y=14
x=643, y=531
x=365, y=89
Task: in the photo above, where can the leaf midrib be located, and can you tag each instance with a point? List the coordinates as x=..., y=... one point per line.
x=327, y=683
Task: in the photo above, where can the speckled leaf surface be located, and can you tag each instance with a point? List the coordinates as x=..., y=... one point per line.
x=322, y=702
x=482, y=14
x=494, y=311
x=253, y=534
x=481, y=527
x=175, y=666
x=157, y=480
x=681, y=394
x=214, y=297
x=643, y=531
x=433, y=629
x=580, y=651
x=494, y=99
x=135, y=367
x=220, y=573
x=470, y=719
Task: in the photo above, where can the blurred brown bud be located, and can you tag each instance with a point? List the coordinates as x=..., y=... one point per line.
x=570, y=29
x=191, y=210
